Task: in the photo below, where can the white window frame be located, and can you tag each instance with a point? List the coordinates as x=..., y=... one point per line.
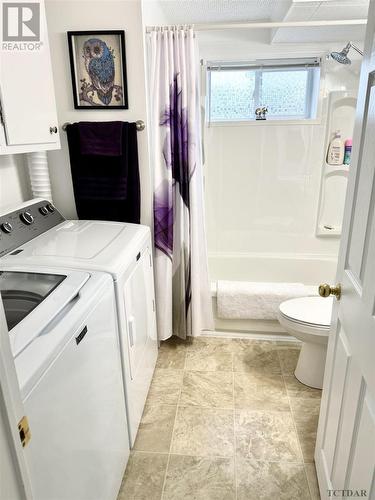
x=270, y=65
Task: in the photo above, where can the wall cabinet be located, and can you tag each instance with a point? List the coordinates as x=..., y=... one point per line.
x=27, y=97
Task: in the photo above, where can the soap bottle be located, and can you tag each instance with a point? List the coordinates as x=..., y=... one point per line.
x=348, y=151
x=335, y=154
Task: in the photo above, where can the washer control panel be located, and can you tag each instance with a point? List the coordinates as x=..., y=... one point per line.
x=26, y=223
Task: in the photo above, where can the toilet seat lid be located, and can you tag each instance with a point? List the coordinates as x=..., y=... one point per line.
x=309, y=310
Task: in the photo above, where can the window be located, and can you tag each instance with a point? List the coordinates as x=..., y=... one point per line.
x=289, y=89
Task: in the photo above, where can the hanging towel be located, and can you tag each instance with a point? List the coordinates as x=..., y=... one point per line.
x=100, y=138
x=246, y=300
x=106, y=187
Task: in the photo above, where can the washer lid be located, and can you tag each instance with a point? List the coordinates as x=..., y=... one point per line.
x=90, y=245
x=309, y=310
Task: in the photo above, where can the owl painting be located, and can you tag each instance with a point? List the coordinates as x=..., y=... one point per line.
x=98, y=69
x=100, y=66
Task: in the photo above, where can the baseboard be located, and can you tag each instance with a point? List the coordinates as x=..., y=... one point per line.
x=249, y=335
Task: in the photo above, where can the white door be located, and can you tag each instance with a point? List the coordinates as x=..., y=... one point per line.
x=345, y=449
x=26, y=85
x=14, y=481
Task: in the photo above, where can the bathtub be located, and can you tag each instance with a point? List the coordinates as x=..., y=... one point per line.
x=283, y=268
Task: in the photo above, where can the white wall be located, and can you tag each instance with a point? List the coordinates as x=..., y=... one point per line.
x=263, y=180
x=153, y=13
x=70, y=15
x=14, y=180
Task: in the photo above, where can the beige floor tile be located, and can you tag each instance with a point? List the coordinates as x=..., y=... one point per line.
x=288, y=359
x=144, y=477
x=241, y=345
x=313, y=481
x=171, y=358
x=270, y=481
x=305, y=405
x=208, y=361
x=197, y=478
x=257, y=357
x=298, y=390
x=266, y=436
x=306, y=430
x=260, y=392
x=305, y=412
x=207, y=389
x=203, y=432
x=213, y=345
x=165, y=387
x=175, y=344
x=155, y=429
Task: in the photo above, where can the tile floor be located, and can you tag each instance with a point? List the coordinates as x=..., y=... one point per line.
x=225, y=419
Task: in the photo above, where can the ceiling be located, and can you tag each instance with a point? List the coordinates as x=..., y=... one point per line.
x=213, y=11
x=228, y=11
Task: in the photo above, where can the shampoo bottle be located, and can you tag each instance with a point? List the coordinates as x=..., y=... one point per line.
x=335, y=155
x=348, y=151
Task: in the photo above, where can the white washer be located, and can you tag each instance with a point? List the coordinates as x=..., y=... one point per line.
x=41, y=237
x=63, y=334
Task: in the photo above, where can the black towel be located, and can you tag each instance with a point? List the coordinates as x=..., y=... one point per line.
x=100, y=138
x=106, y=187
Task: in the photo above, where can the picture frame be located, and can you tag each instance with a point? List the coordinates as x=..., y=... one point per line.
x=98, y=69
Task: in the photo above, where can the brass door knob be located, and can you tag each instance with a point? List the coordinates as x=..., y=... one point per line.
x=326, y=290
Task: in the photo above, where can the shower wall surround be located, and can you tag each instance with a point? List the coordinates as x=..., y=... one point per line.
x=263, y=179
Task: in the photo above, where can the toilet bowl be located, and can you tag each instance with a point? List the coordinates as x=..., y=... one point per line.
x=309, y=320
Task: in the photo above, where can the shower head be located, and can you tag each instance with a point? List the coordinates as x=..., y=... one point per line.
x=342, y=57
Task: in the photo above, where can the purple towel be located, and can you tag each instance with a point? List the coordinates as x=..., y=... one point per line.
x=106, y=187
x=100, y=138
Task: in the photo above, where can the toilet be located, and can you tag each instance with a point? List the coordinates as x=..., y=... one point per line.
x=309, y=320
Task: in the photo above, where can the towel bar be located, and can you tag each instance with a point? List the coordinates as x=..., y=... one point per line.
x=140, y=124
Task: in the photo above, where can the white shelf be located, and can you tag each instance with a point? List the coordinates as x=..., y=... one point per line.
x=341, y=113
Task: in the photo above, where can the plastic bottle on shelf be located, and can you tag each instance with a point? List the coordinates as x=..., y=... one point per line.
x=335, y=154
x=348, y=151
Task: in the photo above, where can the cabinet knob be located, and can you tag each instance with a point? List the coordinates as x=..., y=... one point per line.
x=53, y=130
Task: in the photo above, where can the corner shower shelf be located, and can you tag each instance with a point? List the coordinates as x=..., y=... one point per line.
x=340, y=116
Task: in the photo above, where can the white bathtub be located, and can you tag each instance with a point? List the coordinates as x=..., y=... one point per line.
x=284, y=268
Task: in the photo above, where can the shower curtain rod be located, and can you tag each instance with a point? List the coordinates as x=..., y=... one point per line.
x=267, y=24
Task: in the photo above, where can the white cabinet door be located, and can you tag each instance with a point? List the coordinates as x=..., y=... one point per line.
x=26, y=91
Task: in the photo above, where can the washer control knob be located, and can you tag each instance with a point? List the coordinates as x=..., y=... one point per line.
x=50, y=208
x=43, y=210
x=6, y=227
x=27, y=218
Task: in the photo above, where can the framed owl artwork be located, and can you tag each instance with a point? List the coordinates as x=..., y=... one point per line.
x=98, y=67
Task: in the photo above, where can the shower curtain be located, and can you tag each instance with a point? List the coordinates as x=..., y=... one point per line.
x=181, y=273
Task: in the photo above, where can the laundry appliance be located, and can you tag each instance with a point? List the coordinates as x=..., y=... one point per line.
x=36, y=234
x=64, y=339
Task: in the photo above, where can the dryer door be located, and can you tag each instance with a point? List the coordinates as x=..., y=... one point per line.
x=140, y=311
x=141, y=341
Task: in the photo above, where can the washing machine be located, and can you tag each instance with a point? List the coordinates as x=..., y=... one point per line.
x=36, y=234
x=64, y=339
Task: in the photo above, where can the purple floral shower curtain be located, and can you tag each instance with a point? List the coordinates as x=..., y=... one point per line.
x=181, y=275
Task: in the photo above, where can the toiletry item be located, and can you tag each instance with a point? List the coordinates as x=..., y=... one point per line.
x=348, y=151
x=335, y=154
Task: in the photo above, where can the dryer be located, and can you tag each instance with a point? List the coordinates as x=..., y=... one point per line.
x=36, y=234
x=63, y=334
